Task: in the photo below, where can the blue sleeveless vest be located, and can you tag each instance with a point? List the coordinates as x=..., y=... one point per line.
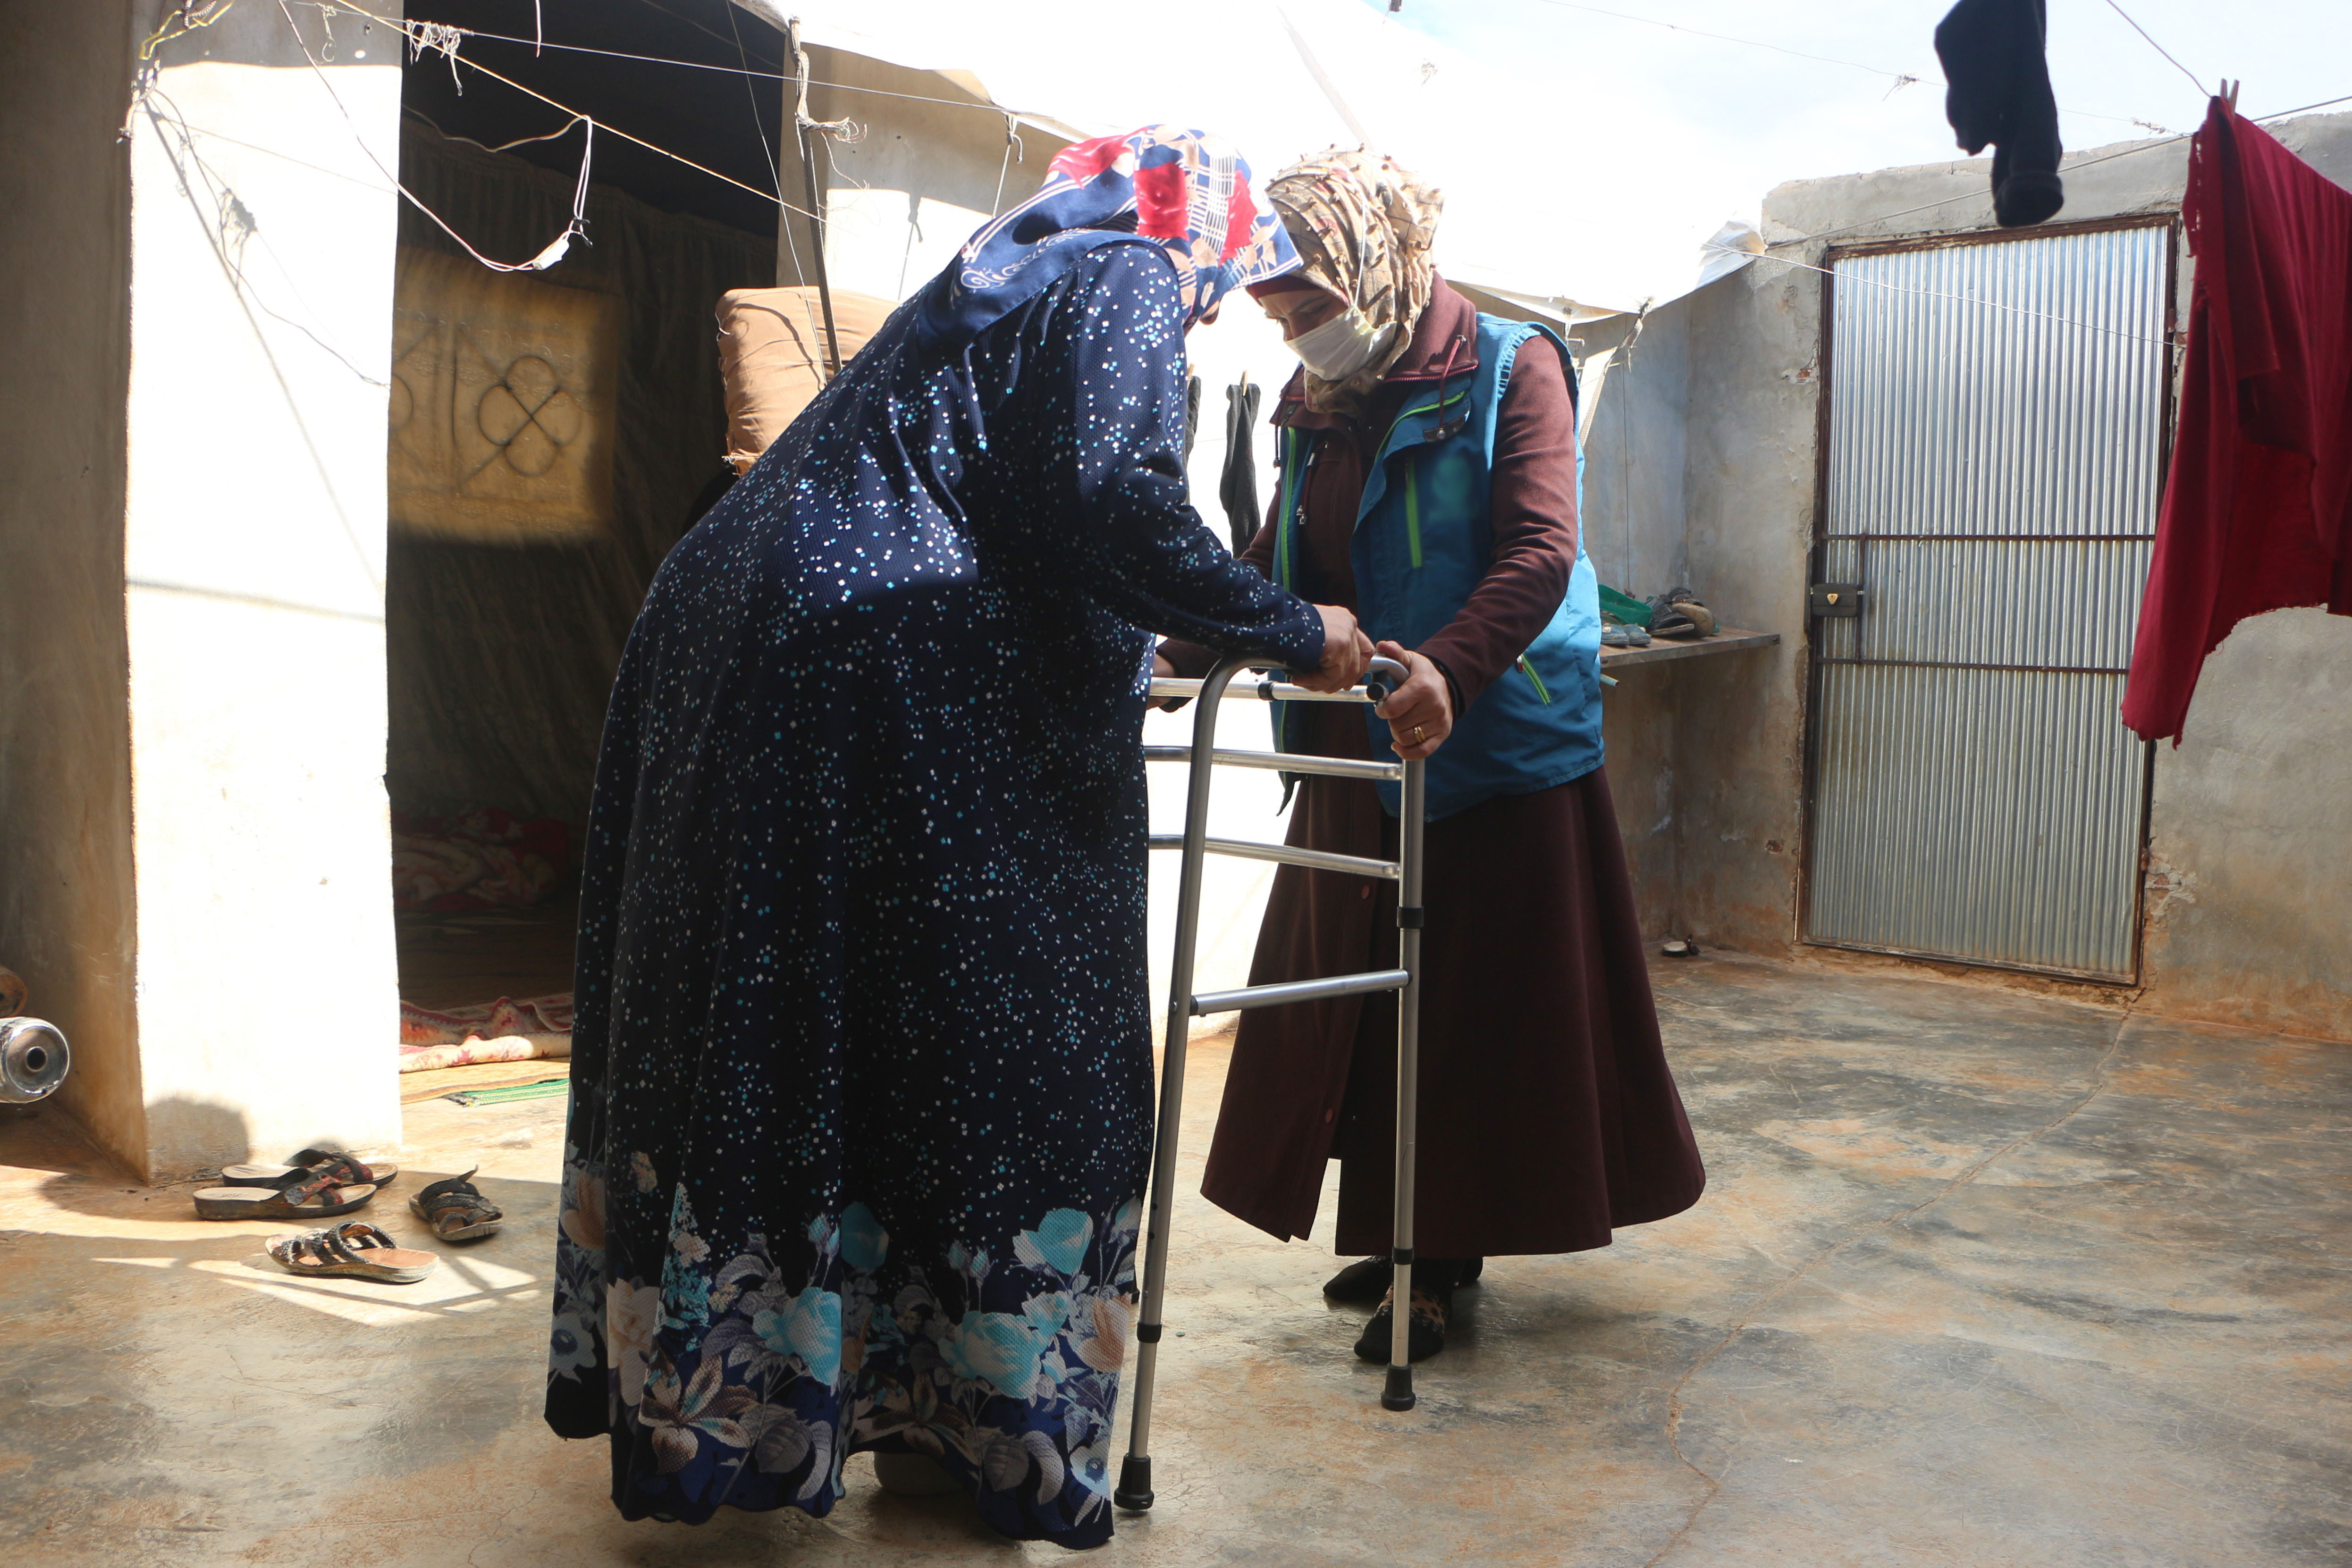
x=1422, y=541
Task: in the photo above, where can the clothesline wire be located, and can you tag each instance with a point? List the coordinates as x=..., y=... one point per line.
x=746, y=70
x=775, y=176
x=578, y=116
x=337, y=98
x=2065, y=169
x=639, y=141
x=153, y=103
x=694, y=22
x=2159, y=48
x=403, y=27
x=1941, y=294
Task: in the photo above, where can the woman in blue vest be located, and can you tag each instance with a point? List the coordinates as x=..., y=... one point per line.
x=1429, y=483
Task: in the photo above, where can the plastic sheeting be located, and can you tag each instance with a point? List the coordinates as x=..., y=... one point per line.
x=502, y=655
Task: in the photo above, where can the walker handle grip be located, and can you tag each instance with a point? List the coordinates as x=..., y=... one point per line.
x=1382, y=677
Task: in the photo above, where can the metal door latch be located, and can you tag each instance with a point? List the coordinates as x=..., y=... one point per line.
x=1836, y=599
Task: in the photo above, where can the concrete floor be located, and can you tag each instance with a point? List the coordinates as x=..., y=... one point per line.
x=1980, y=1280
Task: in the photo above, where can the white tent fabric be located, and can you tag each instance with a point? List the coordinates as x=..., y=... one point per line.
x=1503, y=155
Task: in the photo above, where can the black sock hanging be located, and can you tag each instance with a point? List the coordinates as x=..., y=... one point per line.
x=1994, y=59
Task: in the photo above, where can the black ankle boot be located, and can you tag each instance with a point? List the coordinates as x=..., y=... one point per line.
x=1365, y=1282
x=1361, y=1283
x=1424, y=1329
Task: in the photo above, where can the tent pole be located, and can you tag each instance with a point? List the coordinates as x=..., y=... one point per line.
x=802, y=124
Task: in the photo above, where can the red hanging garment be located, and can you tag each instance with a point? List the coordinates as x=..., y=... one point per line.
x=2255, y=507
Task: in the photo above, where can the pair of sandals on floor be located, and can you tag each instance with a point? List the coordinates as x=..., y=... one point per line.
x=324, y=1183
x=1369, y=1281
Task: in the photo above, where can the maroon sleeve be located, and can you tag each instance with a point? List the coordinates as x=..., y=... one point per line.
x=1534, y=512
x=1193, y=660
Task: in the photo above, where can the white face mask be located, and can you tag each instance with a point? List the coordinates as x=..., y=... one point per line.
x=1341, y=346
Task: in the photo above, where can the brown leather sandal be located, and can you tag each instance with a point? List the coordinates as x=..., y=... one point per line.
x=314, y=1197
x=311, y=1162
x=455, y=1208
x=357, y=1251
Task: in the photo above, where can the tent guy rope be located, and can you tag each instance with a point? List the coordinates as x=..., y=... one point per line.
x=548, y=256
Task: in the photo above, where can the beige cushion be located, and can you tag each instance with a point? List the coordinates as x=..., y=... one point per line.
x=772, y=356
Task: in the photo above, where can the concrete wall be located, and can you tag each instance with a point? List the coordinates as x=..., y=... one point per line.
x=261, y=245
x=2248, y=916
x=1633, y=517
x=66, y=905
x=2248, y=919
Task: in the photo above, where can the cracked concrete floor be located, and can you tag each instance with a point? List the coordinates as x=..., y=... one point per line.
x=1980, y=1279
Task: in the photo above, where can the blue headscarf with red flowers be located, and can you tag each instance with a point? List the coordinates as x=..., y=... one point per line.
x=1189, y=192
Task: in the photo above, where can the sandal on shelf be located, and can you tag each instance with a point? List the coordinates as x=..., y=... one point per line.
x=313, y=1197
x=455, y=1208
x=315, y=1162
x=357, y=1251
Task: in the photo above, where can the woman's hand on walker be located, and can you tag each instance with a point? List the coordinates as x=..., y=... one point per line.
x=1346, y=652
x=1161, y=669
x=1420, y=712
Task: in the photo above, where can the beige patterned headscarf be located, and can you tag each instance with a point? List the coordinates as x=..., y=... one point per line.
x=1365, y=235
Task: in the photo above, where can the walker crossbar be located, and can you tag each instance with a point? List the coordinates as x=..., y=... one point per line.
x=1203, y=758
x=1285, y=854
x=1283, y=762
x=1250, y=996
x=1165, y=688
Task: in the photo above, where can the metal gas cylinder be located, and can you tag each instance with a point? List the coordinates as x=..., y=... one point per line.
x=34, y=1060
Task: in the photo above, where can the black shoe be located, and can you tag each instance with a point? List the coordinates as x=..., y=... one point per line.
x=1424, y=1329
x=1365, y=1282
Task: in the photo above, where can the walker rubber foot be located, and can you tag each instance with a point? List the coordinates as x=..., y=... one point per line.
x=1398, y=1394
x=1133, y=1493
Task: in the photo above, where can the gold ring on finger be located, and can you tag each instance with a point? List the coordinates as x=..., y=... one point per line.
x=1420, y=736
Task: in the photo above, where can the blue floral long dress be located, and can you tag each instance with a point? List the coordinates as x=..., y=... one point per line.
x=861, y=1103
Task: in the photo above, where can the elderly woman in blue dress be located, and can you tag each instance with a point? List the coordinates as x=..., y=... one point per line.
x=862, y=1078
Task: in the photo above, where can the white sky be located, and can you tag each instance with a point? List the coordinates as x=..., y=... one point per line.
x=1630, y=142
x=1662, y=135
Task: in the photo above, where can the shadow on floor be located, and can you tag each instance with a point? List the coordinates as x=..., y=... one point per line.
x=1978, y=1278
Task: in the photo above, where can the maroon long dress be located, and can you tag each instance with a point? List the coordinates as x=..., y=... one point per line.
x=1548, y=1113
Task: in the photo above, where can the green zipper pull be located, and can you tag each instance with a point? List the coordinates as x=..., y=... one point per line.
x=1542, y=696
x=1412, y=507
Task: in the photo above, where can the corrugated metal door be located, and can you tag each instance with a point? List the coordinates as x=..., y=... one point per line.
x=1990, y=480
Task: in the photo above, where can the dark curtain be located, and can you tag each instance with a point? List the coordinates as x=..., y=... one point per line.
x=502, y=655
